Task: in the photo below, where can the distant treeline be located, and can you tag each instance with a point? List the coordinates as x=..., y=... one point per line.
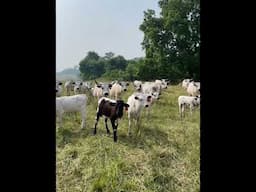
x=171, y=43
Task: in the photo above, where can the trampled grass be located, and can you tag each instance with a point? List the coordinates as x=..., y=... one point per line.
x=165, y=157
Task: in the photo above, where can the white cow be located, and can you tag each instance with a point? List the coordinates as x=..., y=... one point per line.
x=162, y=84
x=75, y=103
x=86, y=87
x=137, y=85
x=151, y=88
x=185, y=83
x=137, y=102
x=78, y=87
x=187, y=101
x=101, y=89
x=69, y=86
x=58, y=88
x=193, y=89
x=117, y=89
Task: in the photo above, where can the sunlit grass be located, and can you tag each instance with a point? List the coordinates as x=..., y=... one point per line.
x=165, y=157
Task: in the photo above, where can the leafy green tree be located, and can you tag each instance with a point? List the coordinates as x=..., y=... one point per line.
x=92, y=66
x=118, y=62
x=172, y=41
x=109, y=55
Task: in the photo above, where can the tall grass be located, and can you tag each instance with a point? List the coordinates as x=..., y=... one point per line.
x=165, y=157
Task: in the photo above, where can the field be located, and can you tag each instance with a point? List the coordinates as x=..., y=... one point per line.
x=165, y=157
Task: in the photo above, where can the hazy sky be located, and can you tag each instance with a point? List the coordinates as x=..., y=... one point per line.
x=100, y=26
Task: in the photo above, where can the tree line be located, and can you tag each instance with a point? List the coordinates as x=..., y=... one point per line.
x=171, y=44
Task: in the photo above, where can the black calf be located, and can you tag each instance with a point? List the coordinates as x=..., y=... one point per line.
x=111, y=110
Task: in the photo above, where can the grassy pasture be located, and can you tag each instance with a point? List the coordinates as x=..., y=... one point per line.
x=165, y=157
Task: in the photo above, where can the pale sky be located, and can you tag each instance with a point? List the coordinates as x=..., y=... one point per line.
x=101, y=26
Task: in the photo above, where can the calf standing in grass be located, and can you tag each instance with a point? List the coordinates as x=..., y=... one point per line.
x=189, y=101
x=137, y=102
x=112, y=110
x=75, y=103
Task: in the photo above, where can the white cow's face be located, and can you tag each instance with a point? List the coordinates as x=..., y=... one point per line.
x=58, y=83
x=155, y=95
x=144, y=99
x=164, y=85
x=124, y=85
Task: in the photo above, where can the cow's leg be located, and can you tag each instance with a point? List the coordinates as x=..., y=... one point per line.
x=191, y=110
x=106, y=124
x=137, y=124
x=114, y=123
x=96, y=123
x=129, y=127
x=83, y=117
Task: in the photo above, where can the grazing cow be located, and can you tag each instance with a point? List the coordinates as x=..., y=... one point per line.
x=86, y=87
x=137, y=85
x=101, y=89
x=137, y=102
x=75, y=103
x=193, y=89
x=151, y=88
x=69, y=86
x=110, y=109
x=78, y=87
x=161, y=84
x=117, y=88
x=189, y=101
x=115, y=91
x=185, y=83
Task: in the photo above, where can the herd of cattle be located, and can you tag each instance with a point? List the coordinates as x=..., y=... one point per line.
x=110, y=105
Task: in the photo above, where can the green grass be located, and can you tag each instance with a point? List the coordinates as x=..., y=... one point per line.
x=165, y=157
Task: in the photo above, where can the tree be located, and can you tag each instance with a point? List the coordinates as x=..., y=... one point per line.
x=118, y=62
x=92, y=66
x=172, y=41
x=109, y=55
